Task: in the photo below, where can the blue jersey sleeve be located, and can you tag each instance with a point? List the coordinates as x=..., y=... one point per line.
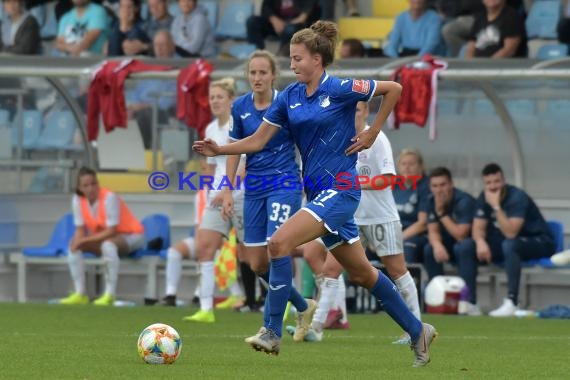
x=353, y=90
x=482, y=209
x=236, y=126
x=464, y=210
x=430, y=209
x=277, y=113
x=516, y=204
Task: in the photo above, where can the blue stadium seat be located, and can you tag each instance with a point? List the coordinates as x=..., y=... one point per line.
x=48, y=180
x=233, y=21
x=552, y=51
x=211, y=8
x=144, y=10
x=31, y=129
x=58, y=131
x=557, y=229
x=156, y=234
x=241, y=50
x=542, y=19
x=58, y=242
x=173, y=8
x=4, y=118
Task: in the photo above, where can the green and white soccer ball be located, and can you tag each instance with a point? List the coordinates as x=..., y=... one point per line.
x=159, y=344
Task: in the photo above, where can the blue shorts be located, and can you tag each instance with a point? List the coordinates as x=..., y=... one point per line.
x=336, y=209
x=262, y=217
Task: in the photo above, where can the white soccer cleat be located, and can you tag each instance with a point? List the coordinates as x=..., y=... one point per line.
x=507, y=309
x=561, y=258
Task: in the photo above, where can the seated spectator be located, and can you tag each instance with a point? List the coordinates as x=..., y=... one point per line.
x=352, y=48
x=499, y=32
x=128, y=27
x=104, y=226
x=460, y=16
x=83, y=30
x=412, y=204
x=416, y=32
x=281, y=18
x=563, y=27
x=192, y=33
x=20, y=30
x=159, y=19
x=150, y=91
x=450, y=214
x=509, y=228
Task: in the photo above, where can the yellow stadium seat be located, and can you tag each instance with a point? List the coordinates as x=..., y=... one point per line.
x=389, y=8
x=148, y=160
x=125, y=182
x=365, y=28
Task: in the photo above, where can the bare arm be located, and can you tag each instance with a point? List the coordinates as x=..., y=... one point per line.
x=90, y=37
x=470, y=51
x=479, y=230
x=434, y=236
x=101, y=236
x=456, y=230
x=510, y=227
x=510, y=46
x=250, y=144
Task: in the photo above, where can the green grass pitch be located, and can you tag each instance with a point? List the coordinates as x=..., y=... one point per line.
x=87, y=342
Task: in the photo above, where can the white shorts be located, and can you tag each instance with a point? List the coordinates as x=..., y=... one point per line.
x=212, y=220
x=190, y=243
x=134, y=241
x=385, y=238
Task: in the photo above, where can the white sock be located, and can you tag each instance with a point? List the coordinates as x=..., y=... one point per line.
x=207, y=283
x=77, y=270
x=235, y=289
x=173, y=271
x=409, y=292
x=110, y=253
x=328, y=293
x=340, y=300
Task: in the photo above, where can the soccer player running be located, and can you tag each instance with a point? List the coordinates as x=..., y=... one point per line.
x=319, y=112
x=379, y=224
x=267, y=204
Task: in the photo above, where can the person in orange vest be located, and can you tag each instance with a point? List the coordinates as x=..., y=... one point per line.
x=104, y=226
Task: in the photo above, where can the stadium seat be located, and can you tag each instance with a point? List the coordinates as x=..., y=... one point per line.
x=58, y=242
x=4, y=118
x=241, y=50
x=365, y=28
x=32, y=125
x=557, y=229
x=542, y=19
x=58, y=131
x=389, y=8
x=211, y=8
x=233, y=20
x=48, y=180
x=156, y=235
x=552, y=51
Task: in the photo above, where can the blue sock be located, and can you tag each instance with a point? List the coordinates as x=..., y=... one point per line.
x=279, y=290
x=297, y=300
x=385, y=291
x=265, y=279
x=295, y=297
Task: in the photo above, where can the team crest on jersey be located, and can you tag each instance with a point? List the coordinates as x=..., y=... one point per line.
x=360, y=86
x=364, y=170
x=324, y=101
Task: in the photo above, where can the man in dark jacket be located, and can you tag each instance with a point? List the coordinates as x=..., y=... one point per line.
x=281, y=18
x=20, y=30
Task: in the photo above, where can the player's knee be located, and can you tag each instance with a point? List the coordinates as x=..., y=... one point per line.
x=109, y=248
x=277, y=247
x=360, y=279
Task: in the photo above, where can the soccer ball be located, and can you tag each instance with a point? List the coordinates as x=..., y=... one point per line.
x=159, y=344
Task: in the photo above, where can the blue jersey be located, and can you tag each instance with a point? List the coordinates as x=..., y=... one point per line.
x=410, y=201
x=267, y=169
x=461, y=209
x=516, y=204
x=322, y=125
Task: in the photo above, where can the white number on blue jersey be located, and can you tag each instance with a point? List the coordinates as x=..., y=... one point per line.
x=278, y=208
x=323, y=196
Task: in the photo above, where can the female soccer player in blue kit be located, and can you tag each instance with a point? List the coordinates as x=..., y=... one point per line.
x=266, y=205
x=319, y=112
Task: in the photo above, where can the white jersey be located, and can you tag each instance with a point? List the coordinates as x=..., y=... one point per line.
x=376, y=206
x=220, y=134
x=111, y=210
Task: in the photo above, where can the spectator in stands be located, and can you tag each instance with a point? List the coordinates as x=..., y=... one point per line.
x=416, y=32
x=281, y=18
x=104, y=226
x=460, y=16
x=509, y=228
x=328, y=9
x=129, y=27
x=412, y=204
x=499, y=32
x=150, y=91
x=20, y=30
x=159, y=19
x=192, y=33
x=352, y=48
x=563, y=27
x=83, y=30
x=450, y=215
